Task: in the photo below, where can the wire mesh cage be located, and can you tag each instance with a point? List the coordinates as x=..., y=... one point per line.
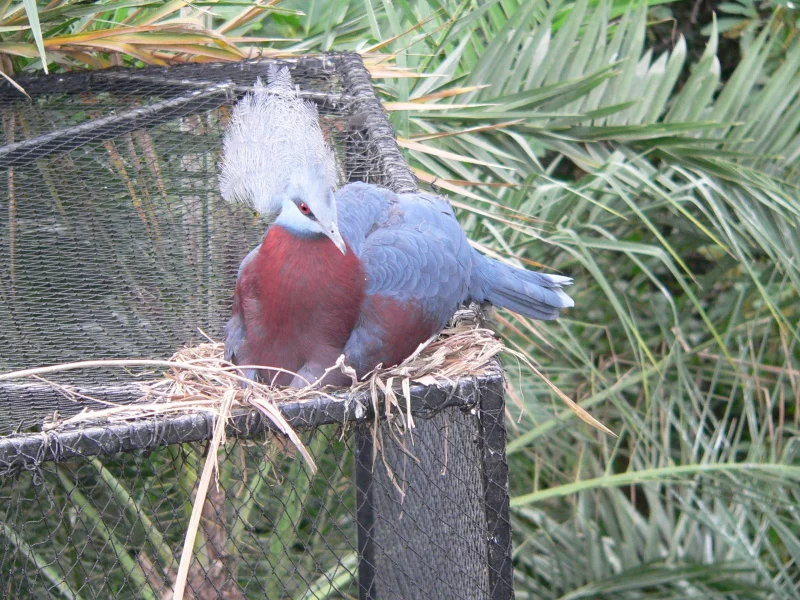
x=114, y=242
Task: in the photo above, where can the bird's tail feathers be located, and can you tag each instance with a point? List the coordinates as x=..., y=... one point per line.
x=535, y=295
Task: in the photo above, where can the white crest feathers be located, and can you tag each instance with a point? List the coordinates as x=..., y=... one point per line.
x=273, y=139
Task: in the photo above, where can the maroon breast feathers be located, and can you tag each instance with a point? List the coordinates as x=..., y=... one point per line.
x=300, y=298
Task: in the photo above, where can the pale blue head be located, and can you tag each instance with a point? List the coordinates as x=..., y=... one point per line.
x=275, y=159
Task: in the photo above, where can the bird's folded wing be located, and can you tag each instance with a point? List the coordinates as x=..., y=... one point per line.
x=417, y=264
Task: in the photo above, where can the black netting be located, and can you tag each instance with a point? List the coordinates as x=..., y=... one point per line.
x=114, y=243
x=113, y=528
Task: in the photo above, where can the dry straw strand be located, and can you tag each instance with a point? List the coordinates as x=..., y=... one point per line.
x=198, y=378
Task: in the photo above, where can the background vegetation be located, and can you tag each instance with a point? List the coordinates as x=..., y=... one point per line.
x=646, y=149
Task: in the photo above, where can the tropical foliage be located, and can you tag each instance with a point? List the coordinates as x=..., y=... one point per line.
x=663, y=181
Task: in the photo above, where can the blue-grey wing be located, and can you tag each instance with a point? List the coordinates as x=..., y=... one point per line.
x=417, y=264
x=362, y=208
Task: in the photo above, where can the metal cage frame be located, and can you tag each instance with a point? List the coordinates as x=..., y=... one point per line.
x=383, y=571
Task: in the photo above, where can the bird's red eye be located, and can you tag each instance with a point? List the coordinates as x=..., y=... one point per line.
x=304, y=208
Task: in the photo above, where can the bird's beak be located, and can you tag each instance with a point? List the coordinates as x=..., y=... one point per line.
x=336, y=238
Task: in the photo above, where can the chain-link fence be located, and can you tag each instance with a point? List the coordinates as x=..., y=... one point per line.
x=114, y=242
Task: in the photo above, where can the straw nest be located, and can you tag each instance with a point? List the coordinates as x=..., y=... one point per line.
x=198, y=378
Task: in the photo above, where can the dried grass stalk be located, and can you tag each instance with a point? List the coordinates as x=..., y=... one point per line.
x=200, y=379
